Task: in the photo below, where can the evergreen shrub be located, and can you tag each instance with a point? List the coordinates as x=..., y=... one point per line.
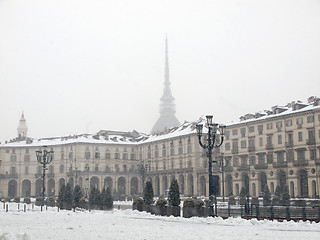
x=161, y=202
x=148, y=193
x=189, y=202
x=174, y=194
x=266, y=196
x=198, y=203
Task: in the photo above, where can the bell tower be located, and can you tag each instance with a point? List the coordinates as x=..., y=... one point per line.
x=22, y=128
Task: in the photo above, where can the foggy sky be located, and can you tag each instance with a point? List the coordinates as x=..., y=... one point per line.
x=78, y=66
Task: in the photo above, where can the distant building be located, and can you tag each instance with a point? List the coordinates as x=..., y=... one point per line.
x=167, y=117
x=22, y=128
x=280, y=146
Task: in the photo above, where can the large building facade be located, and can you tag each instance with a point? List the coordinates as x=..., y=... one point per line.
x=276, y=147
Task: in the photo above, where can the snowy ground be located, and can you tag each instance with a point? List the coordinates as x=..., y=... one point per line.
x=128, y=224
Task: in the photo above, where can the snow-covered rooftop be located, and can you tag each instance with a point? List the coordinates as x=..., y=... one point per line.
x=276, y=111
x=186, y=128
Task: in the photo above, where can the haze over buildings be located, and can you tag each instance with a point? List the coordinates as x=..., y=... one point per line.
x=80, y=66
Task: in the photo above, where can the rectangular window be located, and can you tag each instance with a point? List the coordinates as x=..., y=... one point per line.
x=299, y=122
x=235, y=132
x=290, y=138
x=269, y=140
x=171, y=151
x=301, y=155
x=270, y=157
x=289, y=122
x=261, y=142
x=261, y=158
x=279, y=124
x=279, y=139
x=311, y=135
x=189, y=149
x=13, y=170
x=27, y=158
x=310, y=119
x=164, y=152
x=251, y=129
x=280, y=157
x=251, y=142
x=300, y=136
x=243, y=144
x=235, y=146
x=227, y=135
x=227, y=146
x=312, y=154
x=243, y=132
x=290, y=155
x=269, y=126
x=260, y=129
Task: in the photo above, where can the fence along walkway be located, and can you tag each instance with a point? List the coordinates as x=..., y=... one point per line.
x=271, y=212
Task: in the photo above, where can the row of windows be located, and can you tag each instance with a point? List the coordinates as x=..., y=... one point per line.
x=171, y=151
x=278, y=125
x=164, y=165
x=263, y=158
x=243, y=143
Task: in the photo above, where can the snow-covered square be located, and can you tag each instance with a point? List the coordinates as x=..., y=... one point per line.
x=128, y=224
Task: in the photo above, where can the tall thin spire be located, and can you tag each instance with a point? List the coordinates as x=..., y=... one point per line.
x=167, y=117
x=22, y=127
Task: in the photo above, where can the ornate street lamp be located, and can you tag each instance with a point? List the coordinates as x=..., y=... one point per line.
x=44, y=157
x=212, y=136
x=223, y=164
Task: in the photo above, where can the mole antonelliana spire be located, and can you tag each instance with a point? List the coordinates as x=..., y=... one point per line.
x=167, y=117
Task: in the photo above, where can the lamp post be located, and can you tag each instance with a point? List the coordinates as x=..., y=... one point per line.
x=142, y=171
x=44, y=157
x=212, y=136
x=223, y=164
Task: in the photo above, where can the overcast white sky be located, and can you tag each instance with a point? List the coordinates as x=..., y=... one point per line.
x=77, y=66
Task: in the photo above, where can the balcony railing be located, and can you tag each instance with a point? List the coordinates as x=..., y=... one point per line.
x=269, y=146
x=243, y=167
x=280, y=164
x=70, y=174
x=235, y=150
x=261, y=166
x=311, y=141
x=289, y=144
x=300, y=163
x=38, y=175
x=228, y=169
x=251, y=149
x=10, y=175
